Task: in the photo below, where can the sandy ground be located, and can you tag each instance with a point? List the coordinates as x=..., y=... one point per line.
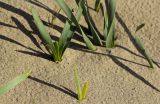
x=121, y=78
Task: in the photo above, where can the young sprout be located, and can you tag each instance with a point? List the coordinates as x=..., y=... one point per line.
x=81, y=93
x=143, y=51
x=13, y=83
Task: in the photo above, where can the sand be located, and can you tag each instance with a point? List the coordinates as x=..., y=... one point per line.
x=120, y=78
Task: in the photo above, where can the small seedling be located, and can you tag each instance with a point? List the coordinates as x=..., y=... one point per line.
x=81, y=93
x=142, y=48
x=13, y=83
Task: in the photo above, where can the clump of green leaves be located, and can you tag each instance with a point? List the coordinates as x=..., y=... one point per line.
x=52, y=46
x=74, y=20
x=81, y=93
x=108, y=10
x=57, y=48
x=13, y=83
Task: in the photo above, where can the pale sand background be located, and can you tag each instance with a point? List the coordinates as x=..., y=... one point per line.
x=123, y=78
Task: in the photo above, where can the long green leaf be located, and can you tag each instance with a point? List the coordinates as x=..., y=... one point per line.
x=105, y=31
x=91, y=24
x=109, y=33
x=84, y=90
x=79, y=92
x=72, y=18
x=110, y=37
x=111, y=8
x=68, y=32
x=13, y=83
x=44, y=34
x=143, y=51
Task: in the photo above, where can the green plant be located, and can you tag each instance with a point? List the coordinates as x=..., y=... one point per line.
x=57, y=48
x=73, y=19
x=96, y=38
x=13, y=83
x=81, y=93
x=141, y=47
x=109, y=22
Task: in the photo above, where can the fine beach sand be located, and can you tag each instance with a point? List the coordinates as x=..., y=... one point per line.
x=120, y=78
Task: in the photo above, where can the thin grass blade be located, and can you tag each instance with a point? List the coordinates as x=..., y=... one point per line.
x=84, y=90
x=79, y=92
x=143, y=51
x=13, y=83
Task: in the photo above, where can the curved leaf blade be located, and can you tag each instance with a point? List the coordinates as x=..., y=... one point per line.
x=110, y=37
x=79, y=92
x=84, y=90
x=43, y=32
x=143, y=51
x=13, y=83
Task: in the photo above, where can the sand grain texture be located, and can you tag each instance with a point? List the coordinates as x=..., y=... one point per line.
x=122, y=78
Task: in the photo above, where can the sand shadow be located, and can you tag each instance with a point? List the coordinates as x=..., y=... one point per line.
x=8, y=25
x=130, y=71
x=120, y=58
x=32, y=51
x=132, y=39
x=29, y=20
x=59, y=88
